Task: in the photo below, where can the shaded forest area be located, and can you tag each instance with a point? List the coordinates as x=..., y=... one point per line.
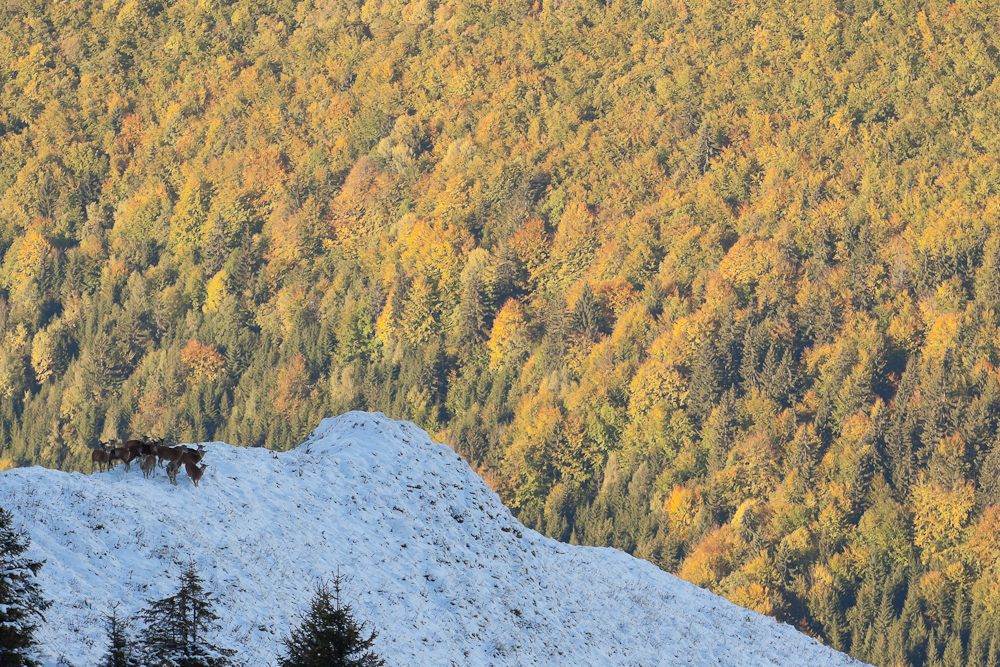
x=714, y=283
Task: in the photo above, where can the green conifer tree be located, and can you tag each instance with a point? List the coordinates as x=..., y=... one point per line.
x=329, y=635
x=121, y=650
x=586, y=313
x=554, y=340
x=901, y=434
x=720, y=430
x=472, y=313
x=177, y=627
x=21, y=602
x=954, y=656
x=988, y=275
x=936, y=408
x=706, y=380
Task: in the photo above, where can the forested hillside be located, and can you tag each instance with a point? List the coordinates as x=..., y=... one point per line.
x=713, y=283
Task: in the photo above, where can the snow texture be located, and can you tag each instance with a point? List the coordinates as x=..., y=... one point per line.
x=436, y=563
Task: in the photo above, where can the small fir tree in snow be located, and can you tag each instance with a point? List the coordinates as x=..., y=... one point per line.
x=329, y=635
x=121, y=650
x=21, y=602
x=177, y=628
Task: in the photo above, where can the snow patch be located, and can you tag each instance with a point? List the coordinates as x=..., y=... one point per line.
x=438, y=565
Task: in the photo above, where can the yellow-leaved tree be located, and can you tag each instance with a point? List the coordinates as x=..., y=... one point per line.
x=941, y=516
x=203, y=361
x=509, y=338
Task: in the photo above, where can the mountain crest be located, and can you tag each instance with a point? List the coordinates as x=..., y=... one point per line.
x=436, y=564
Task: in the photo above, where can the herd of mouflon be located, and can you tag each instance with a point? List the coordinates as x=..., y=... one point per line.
x=149, y=452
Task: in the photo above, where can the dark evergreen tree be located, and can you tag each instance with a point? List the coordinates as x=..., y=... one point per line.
x=21, y=602
x=720, y=430
x=936, y=408
x=505, y=276
x=217, y=247
x=778, y=376
x=954, y=650
x=586, y=313
x=728, y=347
x=988, y=275
x=121, y=650
x=177, y=627
x=979, y=419
x=397, y=298
x=832, y=618
x=902, y=431
x=706, y=379
x=989, y=477
x=554, y=340
x=329, y=635
x=433, y=374
x=755, y=346
x=913, y=630
x=879, y=631
x=896, y=650
x=472, y=313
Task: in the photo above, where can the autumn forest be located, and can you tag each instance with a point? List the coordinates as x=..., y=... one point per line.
x=714, y=283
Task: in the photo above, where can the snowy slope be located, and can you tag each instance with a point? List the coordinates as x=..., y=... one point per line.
x=438, y=565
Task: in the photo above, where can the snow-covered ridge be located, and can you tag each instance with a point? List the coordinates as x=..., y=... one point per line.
x=439, y=566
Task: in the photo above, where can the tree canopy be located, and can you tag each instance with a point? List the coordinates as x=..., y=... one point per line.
x=714, y=283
